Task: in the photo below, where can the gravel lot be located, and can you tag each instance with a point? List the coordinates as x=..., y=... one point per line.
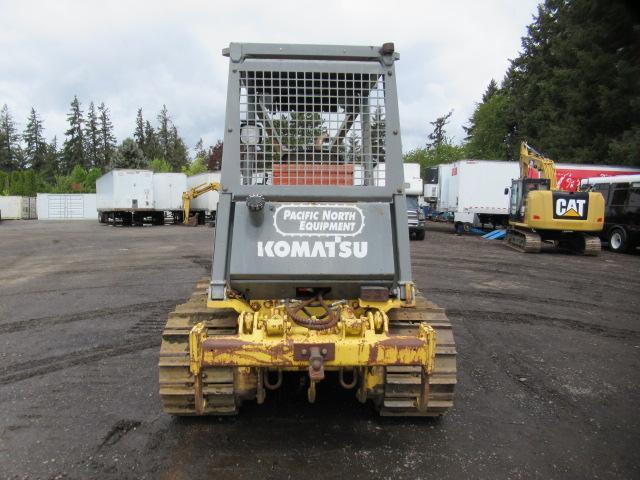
x=549, y=354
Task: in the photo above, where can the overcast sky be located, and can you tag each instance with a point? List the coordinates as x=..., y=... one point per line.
x=133, y=54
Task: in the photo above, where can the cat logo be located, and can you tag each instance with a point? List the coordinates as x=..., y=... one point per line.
x=570, y=207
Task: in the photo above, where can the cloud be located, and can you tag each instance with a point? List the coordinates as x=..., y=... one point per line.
x=145, y=54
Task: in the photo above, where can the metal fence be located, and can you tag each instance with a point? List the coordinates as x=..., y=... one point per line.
x=312, y=128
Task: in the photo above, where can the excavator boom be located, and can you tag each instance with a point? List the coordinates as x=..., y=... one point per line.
x=195, y=192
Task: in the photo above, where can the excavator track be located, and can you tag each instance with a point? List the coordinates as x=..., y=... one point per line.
x=523, y=240
x=404, y=386
x=212, y=392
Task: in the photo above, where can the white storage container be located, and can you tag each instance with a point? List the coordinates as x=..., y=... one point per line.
x=18, y=208
x=209, y=201
x=67, y=206
x=125, y=190
x=167, y=191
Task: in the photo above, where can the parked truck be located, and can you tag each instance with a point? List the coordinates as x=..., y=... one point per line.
x=622, y=209
x=413, y=190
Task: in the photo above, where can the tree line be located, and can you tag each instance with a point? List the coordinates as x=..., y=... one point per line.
x=30, y=163
x=573, y=92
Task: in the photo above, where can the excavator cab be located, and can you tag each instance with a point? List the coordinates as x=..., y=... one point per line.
x=520, y=190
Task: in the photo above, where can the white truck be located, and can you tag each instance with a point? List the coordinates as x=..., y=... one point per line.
x=126, y=196
x=473, y=191
x=413, y=189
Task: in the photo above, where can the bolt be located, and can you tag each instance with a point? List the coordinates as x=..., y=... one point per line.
x=235, y=70
x=395, y=132
x=390, y=73
x=229, y=130
x=323, y=351
x=304, y=351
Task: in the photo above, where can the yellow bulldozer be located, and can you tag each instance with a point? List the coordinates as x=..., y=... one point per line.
x=311, y=279
x=540, y=213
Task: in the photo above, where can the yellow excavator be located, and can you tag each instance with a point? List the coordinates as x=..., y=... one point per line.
x=539, y=212
x=192, y=193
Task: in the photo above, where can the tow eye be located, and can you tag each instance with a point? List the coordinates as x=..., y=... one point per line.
x=316, y=353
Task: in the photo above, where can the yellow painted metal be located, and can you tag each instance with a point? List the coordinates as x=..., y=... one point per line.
x=530, y=158
x=539, y=214
x=267, y=339
x=195, y=192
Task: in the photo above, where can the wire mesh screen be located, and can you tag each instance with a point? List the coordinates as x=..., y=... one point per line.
x=312, y=128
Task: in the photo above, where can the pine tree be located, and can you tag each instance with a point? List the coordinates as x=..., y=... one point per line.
x=107, y=140
x=129, y=155
x=164, y=133
x=378, y=136
x=10, y=151
x=92, y=138
x=139, y=132
x=73, y=152
x=200, y=151
x=178, y=152
x=151, y=147
x=52, y=165
x=438, y=136
x=35, y=151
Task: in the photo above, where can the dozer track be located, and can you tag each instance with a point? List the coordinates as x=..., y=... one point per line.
x=179, y=389
x=523, y=240
x=403, y=387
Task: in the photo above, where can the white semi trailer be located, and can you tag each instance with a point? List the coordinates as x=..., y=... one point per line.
x=473, y=191
x=167, y=194
x=126, y=196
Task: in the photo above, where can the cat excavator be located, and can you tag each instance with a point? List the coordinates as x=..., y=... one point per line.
x=540, y=212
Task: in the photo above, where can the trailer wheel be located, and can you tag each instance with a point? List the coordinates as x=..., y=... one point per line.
x=618, y=241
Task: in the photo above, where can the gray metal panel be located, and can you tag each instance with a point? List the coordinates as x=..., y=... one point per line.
x=236, y=236
x=294, y=243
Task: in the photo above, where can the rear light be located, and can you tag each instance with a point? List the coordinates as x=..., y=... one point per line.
x=536, y=217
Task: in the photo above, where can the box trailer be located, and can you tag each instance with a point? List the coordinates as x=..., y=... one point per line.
x=67, y=206
x=126, y=196
x=15, y=207
x=167, y=191
x=569, y=175
x=473, y=191
x=205, y=205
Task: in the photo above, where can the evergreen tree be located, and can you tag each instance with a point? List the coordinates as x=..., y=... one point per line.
x=200, y=151
x=10, y=151
x=151, y=147
x=164, y=133
x=178, y=152
x=129, y=155
x=378, y=136
x=438, y=136
x=138, y=135
x=35, y=151
x=73, y=150
x=573, y=91
x=52, y=165
x=107, y=140
x=92, y=138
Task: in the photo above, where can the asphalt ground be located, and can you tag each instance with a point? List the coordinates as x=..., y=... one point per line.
x=549, y=354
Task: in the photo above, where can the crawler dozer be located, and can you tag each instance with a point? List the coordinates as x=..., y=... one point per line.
x=539, y=212
x=311, y=273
